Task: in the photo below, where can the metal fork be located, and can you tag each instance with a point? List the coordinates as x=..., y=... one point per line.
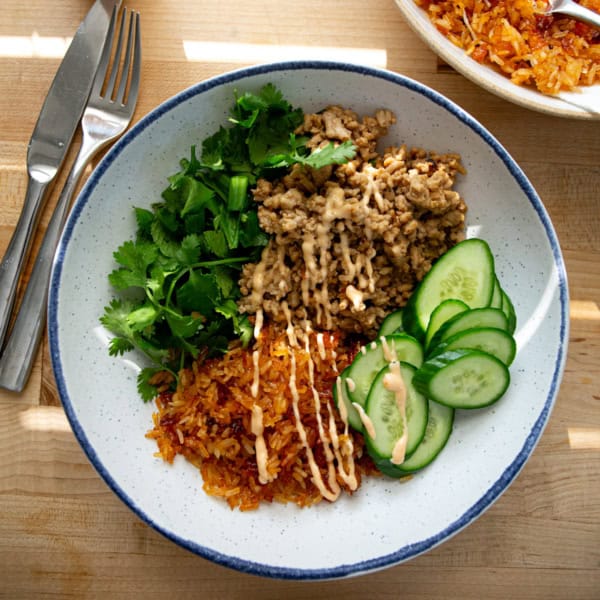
x=106, y=117
x=574, y=10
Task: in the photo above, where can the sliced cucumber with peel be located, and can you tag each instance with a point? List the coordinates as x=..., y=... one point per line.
x=464, y=321
x=376, y=355
x=391, y=324
x=341, y=394
x=466, y=272
x=442, y=313
x=463, y=378
x=509, y=310
x=470, y=319
x=385, y=415
x=440, y=420
x=496, y=299
x=487, y=339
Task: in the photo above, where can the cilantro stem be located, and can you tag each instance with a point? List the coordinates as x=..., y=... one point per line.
x=220, y=261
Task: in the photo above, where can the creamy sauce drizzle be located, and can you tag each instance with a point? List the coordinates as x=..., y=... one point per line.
x=372, y=191
x=366, y=420
x=292, y=339
x=389, y=353
x=258, y=282
x=314, y=467
x=350, y=383
x=256, y=425
x=260, y=445
x=393, y=382
x=335, y=450
x=258, y=323
x=333, y=355
x=329, y=456
x=317, y=251
x=356, y=297
x=346, y=448
x=256, y=378
x=321, y=346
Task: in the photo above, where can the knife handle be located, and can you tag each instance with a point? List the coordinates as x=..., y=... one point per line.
x=16, y=254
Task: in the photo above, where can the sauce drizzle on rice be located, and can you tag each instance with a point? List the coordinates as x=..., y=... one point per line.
x=348, y=245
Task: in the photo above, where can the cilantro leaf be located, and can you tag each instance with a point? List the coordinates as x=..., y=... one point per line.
x=215, y=242
x=199, y=293
x=118, y=346
x=145, y=389
x=188, y=252
x=184, y=326
x=136, y=256
x=330, y=155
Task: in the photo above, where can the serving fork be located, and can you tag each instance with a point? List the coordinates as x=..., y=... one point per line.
x=571, y=8
x=108, y=112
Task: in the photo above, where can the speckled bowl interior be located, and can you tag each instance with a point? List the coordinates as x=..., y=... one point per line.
x=385, y=522
x=583, y=103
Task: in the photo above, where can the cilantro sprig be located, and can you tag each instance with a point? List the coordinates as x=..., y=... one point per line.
x=177, y=280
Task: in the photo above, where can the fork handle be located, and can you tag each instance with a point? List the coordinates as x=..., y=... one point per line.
x=19, y=353
x=16, y=254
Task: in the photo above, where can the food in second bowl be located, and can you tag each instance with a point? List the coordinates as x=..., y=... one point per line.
x=553, y=53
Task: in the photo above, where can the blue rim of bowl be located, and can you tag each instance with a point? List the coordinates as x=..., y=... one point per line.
x=409, y=551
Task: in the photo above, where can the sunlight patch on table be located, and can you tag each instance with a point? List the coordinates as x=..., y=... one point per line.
x=584, y=438
x=585, y=310
x=232, y=52
x=33, y=46
x=44, y=418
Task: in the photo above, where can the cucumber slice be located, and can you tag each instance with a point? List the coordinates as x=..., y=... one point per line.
x=376, y=355
x=496, y=300
x=340, y=394
x=465, y=272
x=442, y=312
x=439, y=427
x=391, y=324
x=463, y=378
x=382, y=408
x=470, y=319
x=509, y=310
x=487, y=339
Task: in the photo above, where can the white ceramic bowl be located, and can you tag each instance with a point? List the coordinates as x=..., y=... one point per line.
x=583, y=103
x=385, y=522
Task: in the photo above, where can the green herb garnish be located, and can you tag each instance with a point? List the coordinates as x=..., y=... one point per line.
x=179, y=278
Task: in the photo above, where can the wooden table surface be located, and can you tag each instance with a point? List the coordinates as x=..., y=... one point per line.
x=62, y=531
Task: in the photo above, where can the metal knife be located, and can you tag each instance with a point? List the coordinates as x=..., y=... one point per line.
x=51, y=139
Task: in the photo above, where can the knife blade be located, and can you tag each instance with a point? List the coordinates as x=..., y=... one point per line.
x=50, y=141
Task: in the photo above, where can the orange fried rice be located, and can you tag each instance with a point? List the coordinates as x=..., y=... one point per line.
x=551, y=52
x=209, y=421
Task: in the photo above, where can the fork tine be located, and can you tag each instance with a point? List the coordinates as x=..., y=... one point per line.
x=105, y=58
x=134, y=84
x=110, y=86
x=127, y=62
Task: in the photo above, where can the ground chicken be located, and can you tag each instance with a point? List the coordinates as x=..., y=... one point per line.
x=350, y=242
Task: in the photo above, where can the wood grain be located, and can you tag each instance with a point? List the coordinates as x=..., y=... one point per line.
x=64, y=534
